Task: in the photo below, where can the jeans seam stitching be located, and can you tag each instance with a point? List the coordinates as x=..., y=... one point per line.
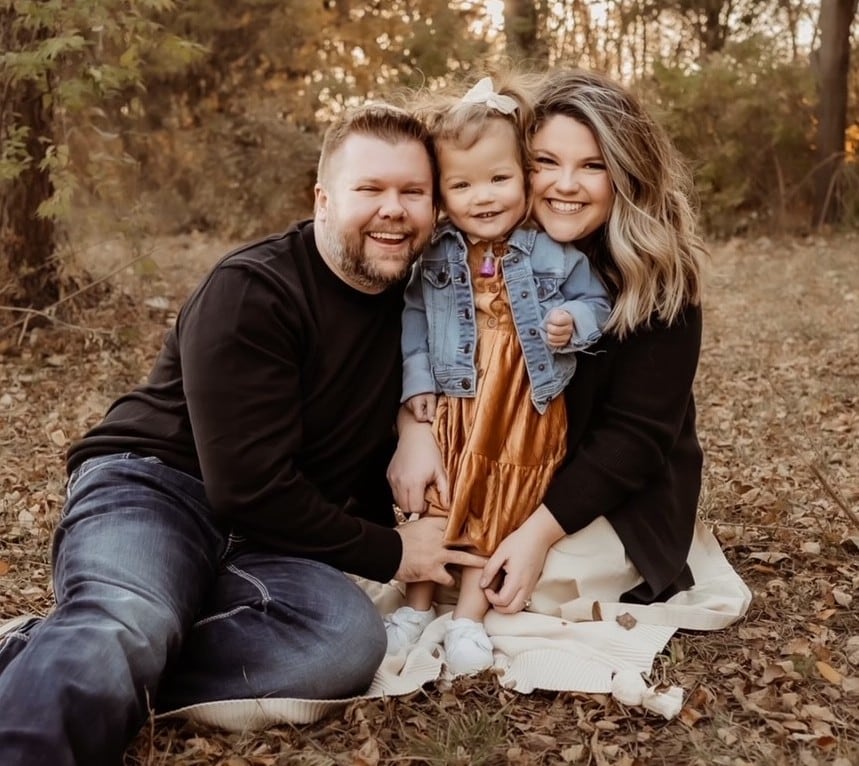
x=263, y=591
x=220, y=616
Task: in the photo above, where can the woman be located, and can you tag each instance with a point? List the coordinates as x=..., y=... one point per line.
x=607, y=179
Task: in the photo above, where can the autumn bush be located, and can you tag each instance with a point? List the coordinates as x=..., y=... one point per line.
x=745, y=122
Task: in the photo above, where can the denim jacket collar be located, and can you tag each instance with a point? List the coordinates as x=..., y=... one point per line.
x=521, y=239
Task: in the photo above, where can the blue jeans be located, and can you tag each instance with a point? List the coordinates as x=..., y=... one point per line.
x=157, y=608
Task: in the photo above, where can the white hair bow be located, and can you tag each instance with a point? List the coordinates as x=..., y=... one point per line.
x=483, y=93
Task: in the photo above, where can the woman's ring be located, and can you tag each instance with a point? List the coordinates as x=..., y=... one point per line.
x=527, y=604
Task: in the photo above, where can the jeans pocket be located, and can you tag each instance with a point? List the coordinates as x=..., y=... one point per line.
x=85, y=468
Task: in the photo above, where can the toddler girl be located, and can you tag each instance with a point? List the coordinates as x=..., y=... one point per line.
x=495, y=311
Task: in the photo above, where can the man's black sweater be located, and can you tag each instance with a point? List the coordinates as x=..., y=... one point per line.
x=278, y=387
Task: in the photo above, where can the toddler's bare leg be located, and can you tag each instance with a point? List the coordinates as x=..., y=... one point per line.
x=419, y=595
x=467, y=647
x=472, y=603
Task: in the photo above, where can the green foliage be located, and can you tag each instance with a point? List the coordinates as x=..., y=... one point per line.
x=233, y=141
x=85, y=60
x=14, y=157
x=208, y=113
x=745, y=122
x=56, y=162
x=239, y=176
x=474, y=736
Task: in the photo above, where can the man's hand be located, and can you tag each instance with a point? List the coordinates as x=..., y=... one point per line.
x=424, y=554
x=416, y=465
x=559, y=328
x=422, y=407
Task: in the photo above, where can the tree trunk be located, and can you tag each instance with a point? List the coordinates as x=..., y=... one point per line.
x=713, y=31
x=28, y=275
x=522, y=21
x=831, y=61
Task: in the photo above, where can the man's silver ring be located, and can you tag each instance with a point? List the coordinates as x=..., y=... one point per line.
x=527, y=604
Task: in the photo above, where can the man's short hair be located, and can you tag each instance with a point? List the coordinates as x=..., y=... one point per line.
x=378, y=120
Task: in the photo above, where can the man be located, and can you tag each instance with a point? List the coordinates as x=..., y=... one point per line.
x=210, y=514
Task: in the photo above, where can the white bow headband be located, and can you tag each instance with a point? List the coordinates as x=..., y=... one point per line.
x=483, y=93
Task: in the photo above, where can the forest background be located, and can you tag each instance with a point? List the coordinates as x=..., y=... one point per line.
x=155, y=116
x=140, y=139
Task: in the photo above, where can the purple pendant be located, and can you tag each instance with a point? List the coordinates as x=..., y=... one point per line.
x=487, y=268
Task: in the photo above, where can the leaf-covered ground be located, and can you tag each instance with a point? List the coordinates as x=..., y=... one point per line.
x=777, y=391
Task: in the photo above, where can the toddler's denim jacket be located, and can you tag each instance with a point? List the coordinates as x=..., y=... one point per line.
x=439, y=327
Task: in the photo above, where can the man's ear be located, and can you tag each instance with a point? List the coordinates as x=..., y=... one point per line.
x=320, y=202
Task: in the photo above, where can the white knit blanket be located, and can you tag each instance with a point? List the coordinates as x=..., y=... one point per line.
x=576, y=637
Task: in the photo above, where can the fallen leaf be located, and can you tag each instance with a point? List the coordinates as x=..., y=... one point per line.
x=573, y=753
x=626, y=620
x=690, y=716
x=727, y=736
x=367, y=754
x=828, y=672
x=769, y=557
x=819, y=712
x=772, y=672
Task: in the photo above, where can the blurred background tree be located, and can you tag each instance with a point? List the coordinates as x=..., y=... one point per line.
x=831, y=61
x=71, y=77
x=155, y=117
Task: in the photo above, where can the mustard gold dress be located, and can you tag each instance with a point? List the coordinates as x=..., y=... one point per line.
x=499, y=452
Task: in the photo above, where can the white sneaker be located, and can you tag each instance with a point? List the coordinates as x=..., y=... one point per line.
x=467, y=648
x=11, y=626
x=405, y=625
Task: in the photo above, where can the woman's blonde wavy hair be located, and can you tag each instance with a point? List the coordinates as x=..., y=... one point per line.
x=649, y=252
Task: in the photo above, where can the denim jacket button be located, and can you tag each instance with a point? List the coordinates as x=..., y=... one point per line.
x=532, y=331
x=524, y=293
x=465, y=383
x=541, y=367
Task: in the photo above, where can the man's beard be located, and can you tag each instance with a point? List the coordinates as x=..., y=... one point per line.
x=347, y=251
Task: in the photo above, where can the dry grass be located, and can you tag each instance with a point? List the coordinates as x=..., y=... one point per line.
x=777, y=392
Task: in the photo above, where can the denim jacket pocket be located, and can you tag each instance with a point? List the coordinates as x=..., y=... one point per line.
x=438, y=275
x=548, y=289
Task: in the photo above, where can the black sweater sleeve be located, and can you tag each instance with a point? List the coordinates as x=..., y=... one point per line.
x=629, y=406
x=240, y=343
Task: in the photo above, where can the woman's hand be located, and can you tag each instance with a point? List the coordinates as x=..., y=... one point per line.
x=416, y=464
x=520, y=558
